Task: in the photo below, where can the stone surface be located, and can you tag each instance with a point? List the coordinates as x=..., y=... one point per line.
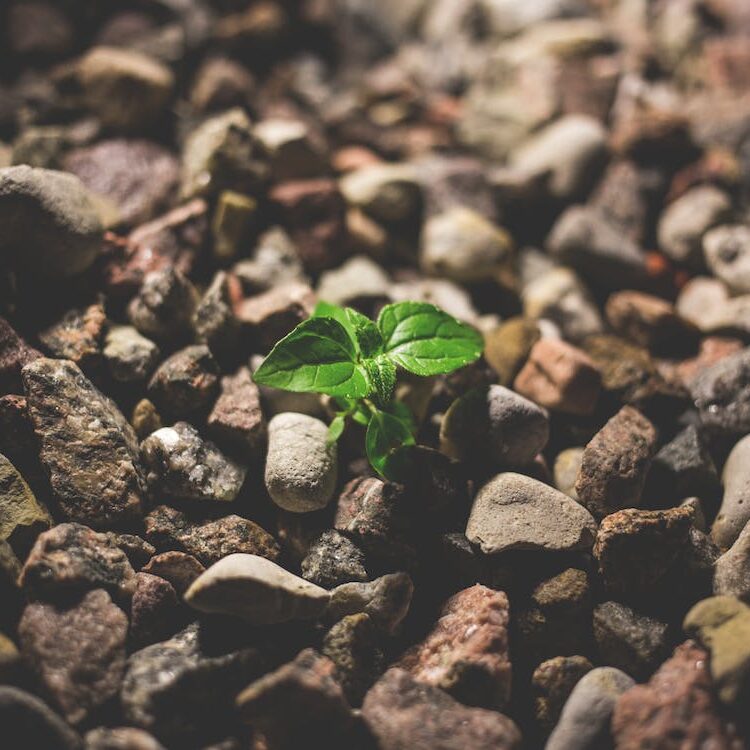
x=677, y=702
x=55, y=215
x=585, y=718
x=734, y=512
x=359, y=282
x=507, y=347
x=77, y=336
x=153, y=610
x=130, y=357
x=78, y=652
x=513, y=511
x=559, y=377
x=401, y=712
x=22, y=516
x=120, y=738
x=494, y=424
x=214, y=320
x=386, y=192
x=615, y=463
x=732, y=569
x=467, y=653
x=257, y=590
x=552, y=683
x=301, y=465
x=87, y=446
x=727, y=252
x=333, y=559
x=208, y=541
x=565, y=470
x=179, y=568
x=72, y=558
x=14, y=354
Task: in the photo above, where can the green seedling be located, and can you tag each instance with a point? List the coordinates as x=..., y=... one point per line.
x=342, y=353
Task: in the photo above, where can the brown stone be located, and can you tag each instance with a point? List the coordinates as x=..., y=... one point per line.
x=403, y=713
x=552, y=682
x=615, y=463
x=153, y=610
x=560, y=377
x=79, y=336
x=14, y=354
x=78, y=653
x=507, y=347
x=675, y=709
x=179, y=568
x=466, y=653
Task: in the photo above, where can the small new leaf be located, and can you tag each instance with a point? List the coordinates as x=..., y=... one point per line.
x=336, y=428
x=360, y=328
x=386, y=435
x=425, y=340
x=382, y=374
x=318, y=356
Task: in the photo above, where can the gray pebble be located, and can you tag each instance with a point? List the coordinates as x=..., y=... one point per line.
x=333, y=559
x=734, y=512
x=727, y=253
x=301, y=466
x=130, y=356
x=732, y=569
x=386, y=192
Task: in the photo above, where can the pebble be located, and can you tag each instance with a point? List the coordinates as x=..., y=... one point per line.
x=629, y=640
x=291, y=149
x=214, y=321
x=513, y=511
x=614, y=464
x=726, y=250
x=301, y=465
x=233, y=221
x=87, y=445
x=494, y=426
x=678, y=701
x=14, y=354
x=257, y=590
x=385, y=600
x=467, y=652
x=386, y=192
x=559, y=377
x=145, y=419
x=565, y=470
x=314, y=709
x=153, y=610
x=78, y=652
x=685, y=221
x=130, y=357
x=72, y=558
x=179, y=568
x=734, y=512
x=237, y=420
x=585, y=718
x=552, y=683
x=359, y=282
x=120, y=738
x=461, y=245
x=722, y=625
x=182, y=466
x=507, y=347
x=124, y=88
x=78, y=336
x=732, y=569
x=208, y=541
x=185, y=383
x=706, y=303
x=137, y=550
x=401, y=712
x=22, y=516
x=333, y=559
x=60, y=225
x=274, y=260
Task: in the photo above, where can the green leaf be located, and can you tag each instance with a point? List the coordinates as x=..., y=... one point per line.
x=401, y=411
x=336, y=428
x=361, y=415
x=382, y=374
x=386, y=435
x=425, y=340
x=360, y=328
x=318, y=356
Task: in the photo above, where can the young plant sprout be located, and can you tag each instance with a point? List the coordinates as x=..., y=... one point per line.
x=342, y=353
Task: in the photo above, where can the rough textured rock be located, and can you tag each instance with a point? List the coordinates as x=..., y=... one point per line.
x=466, y=653
x=386, y=600
x=257, y=590
x=401, y=712
x=87, y=446
x=77, y=652
x=214, y=320
x=22, y=516
x=677, y=702
x=332, y=560
x=559, y=377
x=73, y=558
x=14, y=354
x=495, y=424
x=78, y=336
x=153, y=610
x=513, y=511
x=585, y=718
x=208, y=541
x=301, y=465
x=552, y=682
x=179, y=568
x=722, y=625
x=507, y=347
x=130, y=357
x=615, y=462
x=734, y=512
x=182, y=690
x=34, y=724
x=170, y=457
x=316, y=710
x=55, y=216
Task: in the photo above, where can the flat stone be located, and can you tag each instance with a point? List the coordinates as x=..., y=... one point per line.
x=467, y=653
x=734, y=512
x=72, y=558
x=301, y=464
x=678, y=701
x=401, y=712
x=513, y=511
x=182, y=466
x=55, y=215
x=87, y=445
x=209, y=541
x=257, y=590
x=78, y=653
x=585, y=718
x=615, y=463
